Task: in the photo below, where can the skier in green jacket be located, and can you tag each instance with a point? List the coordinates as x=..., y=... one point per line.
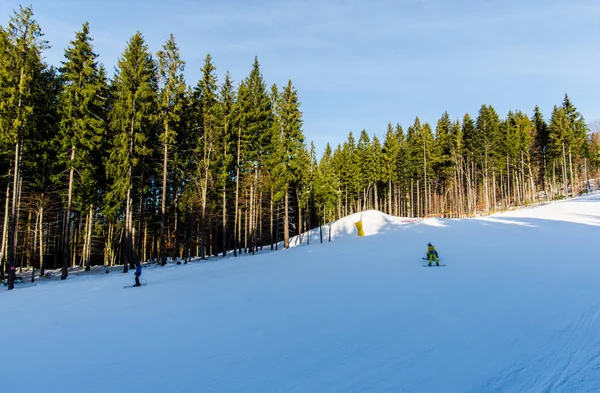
x=432, y=254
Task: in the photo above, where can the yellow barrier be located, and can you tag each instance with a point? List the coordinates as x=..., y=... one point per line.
x=359, y=226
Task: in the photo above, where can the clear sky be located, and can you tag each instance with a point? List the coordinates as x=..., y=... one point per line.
x=361, y=64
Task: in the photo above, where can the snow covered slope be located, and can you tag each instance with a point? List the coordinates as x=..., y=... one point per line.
x=516, y=309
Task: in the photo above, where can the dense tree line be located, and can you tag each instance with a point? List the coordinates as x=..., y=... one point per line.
x=140, y=166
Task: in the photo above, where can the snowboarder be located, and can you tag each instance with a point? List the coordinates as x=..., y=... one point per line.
x=138, y=273
x=432, y=254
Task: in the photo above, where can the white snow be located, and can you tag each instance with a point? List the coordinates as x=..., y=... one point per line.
x=516, y=309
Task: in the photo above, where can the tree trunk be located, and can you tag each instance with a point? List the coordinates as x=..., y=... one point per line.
x=573, y=190
x=127, y=240
x=251, y=217
x=42, y=271
x=390, y=197
x=27, y=241
x=88, y=255
x=34, y=246
x=246, y=224
x=486, y=183
x=5, y=232
x=12, y=239
x=260, y=220
x=237, y=186
x=224, y=220
x=375, y=196
x=67, y=238
x=271, y=224
x=565, y=181
x=85, y=240
x=145, y=253
x=286, y=230
x=175, y=226
x=163, y=203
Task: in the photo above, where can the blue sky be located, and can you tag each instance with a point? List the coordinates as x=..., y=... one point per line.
x=361, y=64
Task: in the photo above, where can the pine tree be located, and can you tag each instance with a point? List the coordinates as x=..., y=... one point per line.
x=170, y=105
x=444, y=159
x=23, y=46
x=488, y=129
x=289, y=149
x=226, y=118
x=540, y=147
x=40, y=166
x=560, y=138
x=364, y=162
x=471, y=146
x=132, y=117
x=578, y=145
x=207, y=95
x=255, y=129
x=375, y=174
x=82, y=124
x=389, y=168
x=327, y=186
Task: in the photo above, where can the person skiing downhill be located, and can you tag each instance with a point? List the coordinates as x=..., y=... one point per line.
x=138, y=273
x=432, y=254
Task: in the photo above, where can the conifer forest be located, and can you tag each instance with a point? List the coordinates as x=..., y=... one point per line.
x=101, y=169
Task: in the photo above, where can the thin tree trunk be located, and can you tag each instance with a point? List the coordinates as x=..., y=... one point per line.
x=375, y=196
x=27, y=240
x=175, y=227
x=42, y=271
x=5, y=232
x=573, y=191
x=67, y=239
x=34, y=246
x=246, y=224
x=260, y=220
x=145, y=253
x=419, y=210
x=127, y=240
x=85, y=241
x=88, y=255
x=390, y=197
x=12, y=239
x=553, y=177
x=321, y=226
x=286, y=230
x=163, y=203
x=251, y=216
x=237, y=186
x=224, y=240
x=271, y=224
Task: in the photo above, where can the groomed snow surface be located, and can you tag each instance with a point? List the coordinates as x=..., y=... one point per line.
x=516, y=309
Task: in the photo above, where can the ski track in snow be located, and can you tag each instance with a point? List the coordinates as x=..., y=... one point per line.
x=516, y=309
x=568, y=362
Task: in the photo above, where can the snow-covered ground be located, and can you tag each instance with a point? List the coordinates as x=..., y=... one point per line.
x=516, y=309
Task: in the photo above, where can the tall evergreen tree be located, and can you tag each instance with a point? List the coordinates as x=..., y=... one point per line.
x=255, y=129
x=82, y=124
x=289, y=147
x=389, y=169
x=560, y=138
x=23, y=45
x=170, y=105
x=541, y=138
x=207, y=96
x=132, y=117
x=226, y=118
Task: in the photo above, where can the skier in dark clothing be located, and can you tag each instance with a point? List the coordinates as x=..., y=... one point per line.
x=138, y=273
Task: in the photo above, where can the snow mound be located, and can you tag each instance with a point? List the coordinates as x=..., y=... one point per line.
x=373, y=222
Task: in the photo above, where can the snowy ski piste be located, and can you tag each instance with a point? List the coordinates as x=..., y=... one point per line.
x=515, y=309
